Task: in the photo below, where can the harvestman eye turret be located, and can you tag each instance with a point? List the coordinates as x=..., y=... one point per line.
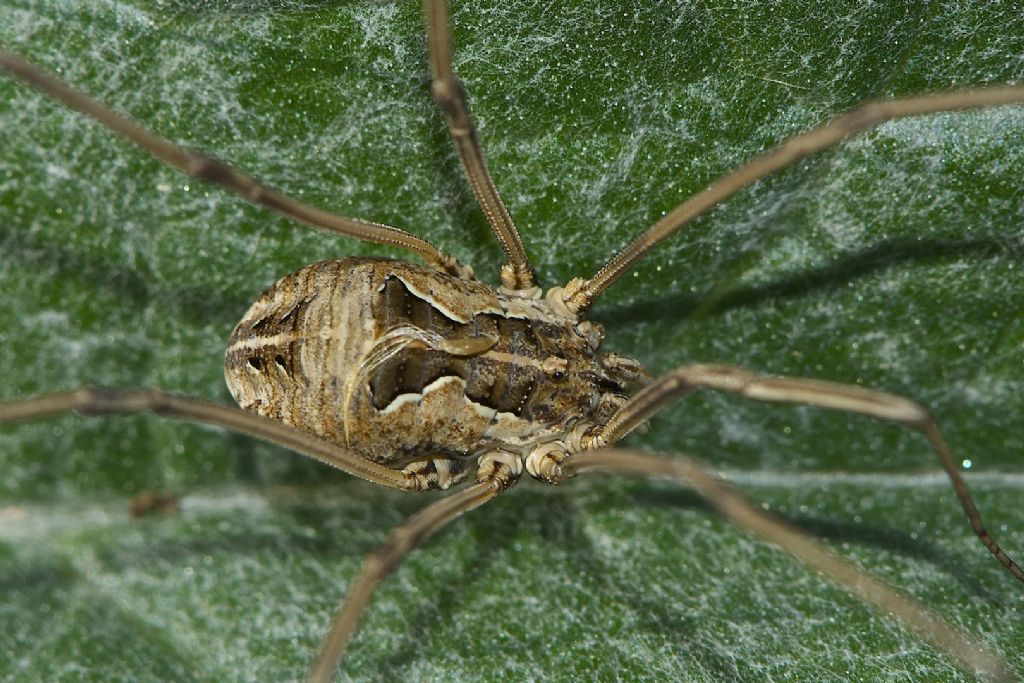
x=419, y=377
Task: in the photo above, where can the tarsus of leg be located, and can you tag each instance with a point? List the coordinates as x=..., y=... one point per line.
x=829, y=395
x=734, y=507
x=857, y=120
x=215, y=171
x=402, y=541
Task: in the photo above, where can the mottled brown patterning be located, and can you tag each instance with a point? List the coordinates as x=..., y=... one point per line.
x=405, y=364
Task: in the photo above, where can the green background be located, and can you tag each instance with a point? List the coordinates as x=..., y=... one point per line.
x=894, y=261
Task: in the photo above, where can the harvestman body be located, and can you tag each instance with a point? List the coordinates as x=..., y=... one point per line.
x=419, y=377
x=422, y=371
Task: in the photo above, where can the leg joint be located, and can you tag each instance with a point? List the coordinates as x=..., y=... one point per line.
x=451, y=97
x=501, y=467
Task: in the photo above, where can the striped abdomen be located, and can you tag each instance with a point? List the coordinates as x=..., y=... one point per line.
x=400, y=362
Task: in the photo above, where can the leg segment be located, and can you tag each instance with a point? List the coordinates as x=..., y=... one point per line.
x=386, y=558
x=734, y=507
x=517, y=274
x=212, y=170
x=831, y=395
x=91, y=401
x=582, y=294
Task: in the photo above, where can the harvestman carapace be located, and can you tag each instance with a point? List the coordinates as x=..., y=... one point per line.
x=420, y=377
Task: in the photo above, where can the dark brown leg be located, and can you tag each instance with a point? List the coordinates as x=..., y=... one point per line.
x=971, y=654
x=580, y=295
x=212, y=170
x=91, y=401
x=831, y=395
x=403, y=540
x=517, y=274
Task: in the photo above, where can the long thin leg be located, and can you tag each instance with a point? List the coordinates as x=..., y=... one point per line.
x=831, y=395
x=734, y=507
x=402, y=541
x=212, y=170
x=92, y=401
x=580, y=295
x=451, y=96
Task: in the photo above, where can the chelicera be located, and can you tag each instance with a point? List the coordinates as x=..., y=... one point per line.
x=419, y=377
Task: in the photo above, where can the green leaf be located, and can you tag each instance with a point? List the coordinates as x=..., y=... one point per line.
x=893, y=261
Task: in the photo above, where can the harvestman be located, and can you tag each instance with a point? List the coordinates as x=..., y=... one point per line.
x=428, y=377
